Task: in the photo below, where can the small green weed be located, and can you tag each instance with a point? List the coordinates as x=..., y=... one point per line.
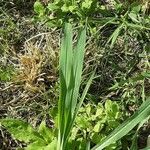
x=56, y=12
x=6, y=73
x=94, y=123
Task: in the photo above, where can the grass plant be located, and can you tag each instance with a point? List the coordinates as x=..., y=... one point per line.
x=71, y=64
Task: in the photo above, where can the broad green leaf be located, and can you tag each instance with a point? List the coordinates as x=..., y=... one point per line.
x=21, y=130
x=52, y=6
x=52, y=145
x=112, y=109
x=96, y=137
x=97, y=127
x=83, y=122
x=133, y=17
x=37, y=145
x=39, y=8
x=136, y=7
x=65, y=8
x=46, y=132
x=86, y=4
x=99, y=111
x=74, y=133
x=128, y=125
x=78, y=65
x=71, y=8
x=88, y=109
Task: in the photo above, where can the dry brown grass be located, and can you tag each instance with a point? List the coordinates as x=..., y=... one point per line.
x=30, y=68
x=38, y=62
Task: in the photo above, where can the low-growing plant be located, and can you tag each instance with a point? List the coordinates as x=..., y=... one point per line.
x=56, y=12
x=94, y=122
x=127, y=88
x=6, y=73
x=125, y=18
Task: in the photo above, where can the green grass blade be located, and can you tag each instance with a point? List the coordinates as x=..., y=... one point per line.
x=79, y=105
x=88, y=145
x=114, y=36
x=123, y=129
x=137, y=26
x=84, y=94
x=78, y=65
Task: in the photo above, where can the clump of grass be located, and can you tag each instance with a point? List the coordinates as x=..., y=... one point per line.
x=71, y=64
x=37, y=67
x=30, y=66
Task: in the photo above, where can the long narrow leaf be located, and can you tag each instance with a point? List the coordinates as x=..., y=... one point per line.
x=114, y=36
x=78, y=65
x=79, y=105
x=65, y=73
